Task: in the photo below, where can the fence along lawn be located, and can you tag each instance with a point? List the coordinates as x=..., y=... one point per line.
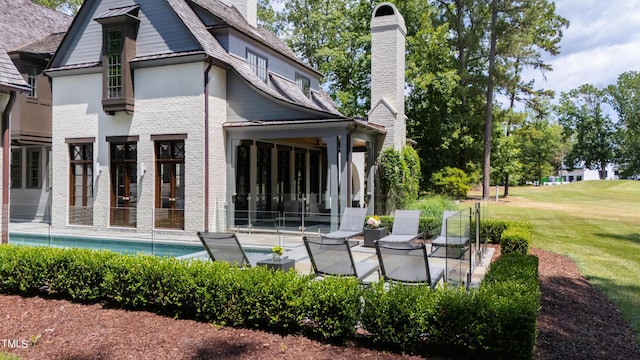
x=595, y=223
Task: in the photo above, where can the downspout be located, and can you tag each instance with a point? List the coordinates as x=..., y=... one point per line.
x=206, y=145
x=6, y=155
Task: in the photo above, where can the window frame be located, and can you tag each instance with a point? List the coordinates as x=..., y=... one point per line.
x=125, y=168
x=170, y=211
x=114, y=55
x=304, y=84
x=87, y=164
x=261, y=72
x=32, y=80
x=34, y=171
x=16, y=168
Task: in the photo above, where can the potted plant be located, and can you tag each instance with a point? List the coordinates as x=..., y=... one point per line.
x=373, y=231
x=276, y=253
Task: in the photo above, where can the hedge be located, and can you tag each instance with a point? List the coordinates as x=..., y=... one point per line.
x=495, y=321
x=430, y=226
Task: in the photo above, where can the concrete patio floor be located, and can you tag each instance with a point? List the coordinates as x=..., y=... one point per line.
x=291, y=242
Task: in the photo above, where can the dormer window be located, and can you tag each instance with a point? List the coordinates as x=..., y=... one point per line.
x=258, y=65
x=119, y=29
x=114, y=64
x=304, y=84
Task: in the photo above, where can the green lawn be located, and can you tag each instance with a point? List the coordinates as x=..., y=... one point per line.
x=596, y=223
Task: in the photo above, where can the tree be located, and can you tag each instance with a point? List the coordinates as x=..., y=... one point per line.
x=432, y=81
x=528, y=29
x=333, y=37
x=625, y=99
x=70, y=7
x=486, y=161
x=584, y=121
x=447, y=64
x=269, y=18
x=539, y=143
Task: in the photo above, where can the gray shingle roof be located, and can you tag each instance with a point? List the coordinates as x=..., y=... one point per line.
x=23, y=22
x=9, y=75
x=232, y=17
x=213, y=48
x=47, y=45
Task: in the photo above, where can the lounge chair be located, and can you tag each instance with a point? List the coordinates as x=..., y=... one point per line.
x=446, y=239
x=351, y=224
x=405, y=228
x=227, y=247
x=407, y=263
x=333, y=257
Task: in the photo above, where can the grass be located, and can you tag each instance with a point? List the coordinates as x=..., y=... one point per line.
x=8, y=356
x=595, y=223
x=432, y=205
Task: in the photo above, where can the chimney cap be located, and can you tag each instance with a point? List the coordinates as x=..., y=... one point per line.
x=384, y=9
x=386, y=14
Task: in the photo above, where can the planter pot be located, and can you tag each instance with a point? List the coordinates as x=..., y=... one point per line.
x=371, y=235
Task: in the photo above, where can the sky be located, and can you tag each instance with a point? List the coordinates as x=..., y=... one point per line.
x=602, y=42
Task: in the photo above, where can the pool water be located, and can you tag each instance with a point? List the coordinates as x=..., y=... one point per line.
x=126, y=246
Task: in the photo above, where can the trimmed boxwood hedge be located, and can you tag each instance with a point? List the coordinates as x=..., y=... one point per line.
x=430, y=226
x=495, y=321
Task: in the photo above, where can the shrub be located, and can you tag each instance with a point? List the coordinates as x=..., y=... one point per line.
x=492, y=230
x=495, y=321
x=430, y=226
x=389, y=173
x=452, y=182
x=516, y=239
x=400, y=315
x=399, y=177
x=411, y=175
x=432, y=205
x=333, y=307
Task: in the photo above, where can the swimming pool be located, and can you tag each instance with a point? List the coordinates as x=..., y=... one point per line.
x=127, y=246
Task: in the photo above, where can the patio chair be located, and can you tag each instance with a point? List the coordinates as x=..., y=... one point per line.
x=227, y=247
x=405, y=228
x=333, y=257
x=351, y=224
x=444, y=239
x=407, y=263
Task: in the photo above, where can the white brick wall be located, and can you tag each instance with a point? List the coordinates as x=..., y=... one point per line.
x=169, y=100
x=387, y=74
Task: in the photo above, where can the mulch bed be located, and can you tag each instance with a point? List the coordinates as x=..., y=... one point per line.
x=575, y=322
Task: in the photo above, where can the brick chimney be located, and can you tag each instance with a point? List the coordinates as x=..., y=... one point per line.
x=248, y=8
x=388, y=34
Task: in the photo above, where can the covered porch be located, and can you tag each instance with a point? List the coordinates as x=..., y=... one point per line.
x=298, y=175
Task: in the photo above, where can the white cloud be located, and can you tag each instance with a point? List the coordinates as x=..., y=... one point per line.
x=602, y=41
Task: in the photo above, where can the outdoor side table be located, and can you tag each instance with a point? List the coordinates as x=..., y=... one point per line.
x=371, y=235
x=282, y=264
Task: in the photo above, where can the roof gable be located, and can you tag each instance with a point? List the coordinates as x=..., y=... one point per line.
x=170, y=28
x=161, y=31
x=230, y=16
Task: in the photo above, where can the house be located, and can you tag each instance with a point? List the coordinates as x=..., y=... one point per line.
x=185, y=115
x=581, y=172
x=29, y=35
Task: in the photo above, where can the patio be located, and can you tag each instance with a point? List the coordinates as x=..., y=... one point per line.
x=291, y=242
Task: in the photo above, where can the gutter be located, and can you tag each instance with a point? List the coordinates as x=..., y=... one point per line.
x=206, y=145
x=6, y=156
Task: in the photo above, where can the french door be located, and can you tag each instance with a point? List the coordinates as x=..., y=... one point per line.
x=170, y=184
